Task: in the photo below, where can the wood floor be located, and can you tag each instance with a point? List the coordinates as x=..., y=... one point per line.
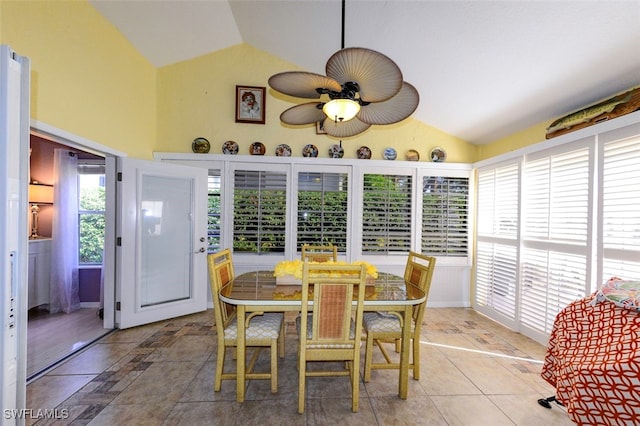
x=53, y=337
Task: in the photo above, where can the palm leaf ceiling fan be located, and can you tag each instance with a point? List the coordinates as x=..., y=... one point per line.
x=363, y=87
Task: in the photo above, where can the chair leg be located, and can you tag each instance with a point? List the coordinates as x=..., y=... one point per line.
x=416, y=358
x=302, y=377
x=368, y=357
x=219, y=367
x=355, y=384
x=281, y=338
x=274, y=365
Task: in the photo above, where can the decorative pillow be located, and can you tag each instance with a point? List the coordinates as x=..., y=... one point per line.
x=625, y=294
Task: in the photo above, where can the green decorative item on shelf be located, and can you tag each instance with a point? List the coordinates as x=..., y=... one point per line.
x=200, y=146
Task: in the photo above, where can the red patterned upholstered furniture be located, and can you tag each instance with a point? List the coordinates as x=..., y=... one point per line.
x=593, y=361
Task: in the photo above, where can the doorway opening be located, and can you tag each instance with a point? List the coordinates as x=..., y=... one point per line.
x=53, y=337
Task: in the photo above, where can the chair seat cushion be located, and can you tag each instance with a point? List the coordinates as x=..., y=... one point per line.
x=266, y=326
x=381, y=322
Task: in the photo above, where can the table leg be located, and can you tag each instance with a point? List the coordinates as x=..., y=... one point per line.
x=241, y=354
x=403, y=380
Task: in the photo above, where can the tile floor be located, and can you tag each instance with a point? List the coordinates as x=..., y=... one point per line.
x=474, y=372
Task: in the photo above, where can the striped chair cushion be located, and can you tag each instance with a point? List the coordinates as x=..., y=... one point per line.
x=265, y=326
x=381, y=322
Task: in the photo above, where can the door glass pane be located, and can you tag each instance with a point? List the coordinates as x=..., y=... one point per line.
x=165, y=240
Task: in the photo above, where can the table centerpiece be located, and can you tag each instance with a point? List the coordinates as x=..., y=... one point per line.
x=289, y=272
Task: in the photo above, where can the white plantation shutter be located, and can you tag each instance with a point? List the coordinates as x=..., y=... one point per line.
x=550, y=281
x=497, y=249
x=213, y=210
x=259, y=211
x=525, y=277
x=498, y=201
x=556, y=198
x=445, y=217
x=387, y=213
x=322, y=209
x=556, y=210
x=621, y=208
x=496, y=267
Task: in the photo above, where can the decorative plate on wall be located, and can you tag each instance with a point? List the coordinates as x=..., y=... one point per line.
x=230, y=147
x=438, y=155
x=364, y=153
x=257, y=148
x=413, y=155
x=200, y=146
x=390, y=154
x=283, y=150
x=310, y=151
x=336, y=151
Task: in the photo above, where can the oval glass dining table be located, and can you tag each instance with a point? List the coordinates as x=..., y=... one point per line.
x=259, y=292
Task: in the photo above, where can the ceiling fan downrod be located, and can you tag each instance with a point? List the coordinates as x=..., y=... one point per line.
x=342, y=39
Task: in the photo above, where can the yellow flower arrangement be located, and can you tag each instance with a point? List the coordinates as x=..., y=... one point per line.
x=294, y=268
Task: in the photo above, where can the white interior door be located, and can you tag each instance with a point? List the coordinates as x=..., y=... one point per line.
x=14, y=166
x=161, y=241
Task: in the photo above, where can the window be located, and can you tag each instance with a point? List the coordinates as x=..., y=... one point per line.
x=91, y=213
x=322, y=209
x=213, y=211
x=542, y=250
x=620, y=207
x=496, y=259
x=387, y=214
x=259, y=211
x=445, y=203
x=556, y=209
x=527, y=279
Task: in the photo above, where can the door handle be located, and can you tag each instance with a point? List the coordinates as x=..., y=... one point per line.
x=202, y=250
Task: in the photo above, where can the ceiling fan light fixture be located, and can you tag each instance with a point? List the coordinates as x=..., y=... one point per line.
x=341, y=109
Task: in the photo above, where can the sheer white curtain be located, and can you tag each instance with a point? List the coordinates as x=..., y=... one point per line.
x=64, y=292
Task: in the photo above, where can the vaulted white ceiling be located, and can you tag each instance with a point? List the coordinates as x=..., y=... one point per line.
x=484, y=69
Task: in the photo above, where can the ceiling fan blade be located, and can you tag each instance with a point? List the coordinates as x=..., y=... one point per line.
x=308, y=113
x=344, y=129
x=302, y=84
x=392, y=110
x=378, y=76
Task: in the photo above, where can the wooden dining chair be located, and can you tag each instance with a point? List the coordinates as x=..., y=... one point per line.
x=332, y=332
x=262, y=329
x=386, y=327
x=319, y=253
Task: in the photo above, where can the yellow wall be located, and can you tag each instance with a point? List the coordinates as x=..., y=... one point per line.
x=86, y=78
x=518, y=140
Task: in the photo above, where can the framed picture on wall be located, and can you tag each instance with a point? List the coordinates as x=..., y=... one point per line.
x=250, y=104
x=320, y=128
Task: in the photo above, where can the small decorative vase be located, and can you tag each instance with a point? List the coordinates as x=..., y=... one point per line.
x=200, y=146
x=288, y=280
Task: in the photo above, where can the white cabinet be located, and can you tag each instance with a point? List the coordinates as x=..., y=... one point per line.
x=39, y=271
